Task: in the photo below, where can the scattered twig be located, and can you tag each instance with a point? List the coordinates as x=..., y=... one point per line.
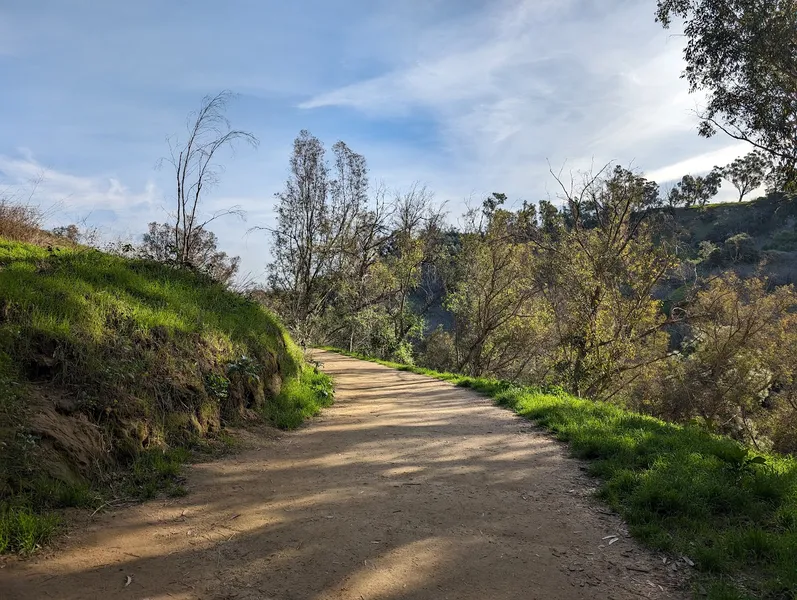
x=638, y=569
x=113, y=502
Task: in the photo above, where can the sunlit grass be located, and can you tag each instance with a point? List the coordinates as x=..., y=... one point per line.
x=144, y=352
x=299, y=399
x=681, y=489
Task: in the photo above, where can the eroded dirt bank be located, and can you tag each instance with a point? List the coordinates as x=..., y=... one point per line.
x=407, y=488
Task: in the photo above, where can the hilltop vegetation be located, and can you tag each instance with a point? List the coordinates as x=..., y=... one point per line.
x=759, y=236
x=110, y=364
x=685, y=313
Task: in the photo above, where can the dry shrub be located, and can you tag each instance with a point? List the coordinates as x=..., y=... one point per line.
x=20, y=221
x=737, y=370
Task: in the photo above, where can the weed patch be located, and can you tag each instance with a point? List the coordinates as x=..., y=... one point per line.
x=22, y=530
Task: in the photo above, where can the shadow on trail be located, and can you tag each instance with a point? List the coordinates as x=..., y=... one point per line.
x=406, y=489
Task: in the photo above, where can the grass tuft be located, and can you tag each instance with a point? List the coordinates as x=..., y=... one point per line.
x=156, y=471
x=22, y=530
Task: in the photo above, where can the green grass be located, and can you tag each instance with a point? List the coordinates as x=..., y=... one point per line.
x=48, y=493
x=299, y=399
x=22, y=530
x=83, y=301
x=158, y=359
x=154, y=472
x=27, y=520
x=681, y=490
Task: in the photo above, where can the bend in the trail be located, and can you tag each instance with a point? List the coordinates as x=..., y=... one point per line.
x=407, y=488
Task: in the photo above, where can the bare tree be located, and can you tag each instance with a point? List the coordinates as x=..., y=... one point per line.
x=196, y=169
x=414, y=215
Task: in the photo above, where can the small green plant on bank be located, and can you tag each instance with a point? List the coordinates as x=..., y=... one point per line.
x=22, y=530
x=244, y=367
x=681, y=490
x=218, y=386
x=299, y=399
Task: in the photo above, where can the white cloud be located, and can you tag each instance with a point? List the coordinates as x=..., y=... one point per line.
x=700, y=164
x=75, y=195
x=524, y=82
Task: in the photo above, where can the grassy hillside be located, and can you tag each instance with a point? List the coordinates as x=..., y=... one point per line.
x=748, y=236
x=109, y=364
x=682, y=491
x=767, y=218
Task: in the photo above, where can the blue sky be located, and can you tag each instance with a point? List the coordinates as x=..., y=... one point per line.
x=465, y=96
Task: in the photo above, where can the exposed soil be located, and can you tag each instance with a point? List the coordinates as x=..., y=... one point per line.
x=406, y=488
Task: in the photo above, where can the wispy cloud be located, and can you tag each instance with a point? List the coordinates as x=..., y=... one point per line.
x=76, y=195
x=540, y=81
x=456, y=65
x=700, y=164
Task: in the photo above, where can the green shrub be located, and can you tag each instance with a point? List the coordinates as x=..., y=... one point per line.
x=403, y=354
x=439, y=350
x=784, y=240
x=740, y=248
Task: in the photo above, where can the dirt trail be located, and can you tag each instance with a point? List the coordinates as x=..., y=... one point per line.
x=407, y=488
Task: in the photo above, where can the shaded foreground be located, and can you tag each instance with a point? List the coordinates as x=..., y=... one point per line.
x=406, y=488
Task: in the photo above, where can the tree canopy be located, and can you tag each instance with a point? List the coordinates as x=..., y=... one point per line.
x=747, y=173
x=743, y=55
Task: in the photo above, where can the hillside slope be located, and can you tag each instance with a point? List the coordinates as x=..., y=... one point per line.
x=755, y=236
x=103, y=359
x=750, y=238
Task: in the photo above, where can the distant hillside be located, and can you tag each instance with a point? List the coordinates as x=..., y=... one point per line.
x=746, y=235
x=103, y=359
x=753, y=237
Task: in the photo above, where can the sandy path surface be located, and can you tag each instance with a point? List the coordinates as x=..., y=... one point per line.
x=407, y=488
